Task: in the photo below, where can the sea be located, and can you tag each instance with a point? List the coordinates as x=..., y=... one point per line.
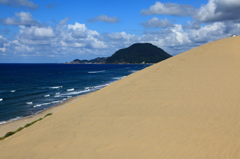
x=28, y=89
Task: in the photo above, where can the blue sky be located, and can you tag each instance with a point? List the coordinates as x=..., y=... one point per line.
x=56, y=31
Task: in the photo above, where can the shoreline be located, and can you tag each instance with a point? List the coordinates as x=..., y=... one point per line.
x=14, y=125
x=184, y=107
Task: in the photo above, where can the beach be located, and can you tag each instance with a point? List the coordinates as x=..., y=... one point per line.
x=184, y=107
x=14, y=125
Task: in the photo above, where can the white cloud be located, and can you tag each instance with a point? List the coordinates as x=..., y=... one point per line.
x=155, y=22
x=192, y=25
x=98, y=44
x=121, y=35
x=63, y=22
x=208, y=33
x=169, y=9
x=20, y=3
x=77, y=26
x=24, y=18
x=78, y=35
x=3, y=42
x=36, y=32
x=219, y=10
x=105, y=18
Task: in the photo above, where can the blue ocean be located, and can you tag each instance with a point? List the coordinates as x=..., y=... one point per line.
x=27, y=89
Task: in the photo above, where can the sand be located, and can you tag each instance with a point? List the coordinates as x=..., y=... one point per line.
x=13, y=126
x=184, y=107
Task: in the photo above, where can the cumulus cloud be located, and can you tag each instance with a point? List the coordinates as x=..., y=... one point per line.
x=192, y=25
x=62, y=23
x=78, y=26
x=79, y=36
x=36, y=35
x=155, y=22
x=22, y=18
x=169, y=9
x=3, y=42
x=120, y=35
x=104, y=18
x=20, y=3
x=37, y=32
x=219, y=10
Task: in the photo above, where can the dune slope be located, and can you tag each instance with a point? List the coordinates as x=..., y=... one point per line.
x=185, y=107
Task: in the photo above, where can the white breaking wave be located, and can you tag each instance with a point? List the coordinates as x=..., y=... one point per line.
x=133, y=71
x=14, y=119
x=1, y=99
x=39, y=105
x=56, y=101
x=101, y=86
x=13, y=90
x=79, y=92
x=70, y=89
x=56, y=87
x=58, y=93
x=118, y=78
x=29, y=103
x=96, y=71
x=46, y=95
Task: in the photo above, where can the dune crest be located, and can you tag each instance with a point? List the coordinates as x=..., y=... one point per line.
x=184, y=107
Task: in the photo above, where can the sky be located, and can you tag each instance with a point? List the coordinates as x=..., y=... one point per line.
x=57, y=31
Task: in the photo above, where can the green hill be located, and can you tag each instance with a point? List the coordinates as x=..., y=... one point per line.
x=139, y=53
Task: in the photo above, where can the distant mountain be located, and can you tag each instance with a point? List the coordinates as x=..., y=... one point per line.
x=135, y=54
x=99, y=60
x=139, y=53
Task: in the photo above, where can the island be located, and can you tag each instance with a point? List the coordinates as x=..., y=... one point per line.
x=138, y=53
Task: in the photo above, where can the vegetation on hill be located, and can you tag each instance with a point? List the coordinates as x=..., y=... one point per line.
x=139, y=53
x=135, y=54
x=99, y=60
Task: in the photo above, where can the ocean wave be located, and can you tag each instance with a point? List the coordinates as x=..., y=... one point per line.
x=96, y=71
x=56, y=87
x=13, y=91
x=1, y=99
x=57, y=93
x=53, y=102
x=29, y=103
x=11, y=120
x=78, y=92
x=133, y=71
x=101, y=86
x=118, y=78
x=72, y=89
x=46, y=95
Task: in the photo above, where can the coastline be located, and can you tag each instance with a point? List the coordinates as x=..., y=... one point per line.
x=14, y=125
x=184, y=107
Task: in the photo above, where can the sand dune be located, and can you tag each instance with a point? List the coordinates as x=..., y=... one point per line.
x=185, y=107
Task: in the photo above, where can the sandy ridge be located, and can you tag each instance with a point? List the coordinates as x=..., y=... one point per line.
x=183, y=107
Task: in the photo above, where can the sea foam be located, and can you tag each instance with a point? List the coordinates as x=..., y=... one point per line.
x=39, y=105
x=96, y=71
x=56, y=87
